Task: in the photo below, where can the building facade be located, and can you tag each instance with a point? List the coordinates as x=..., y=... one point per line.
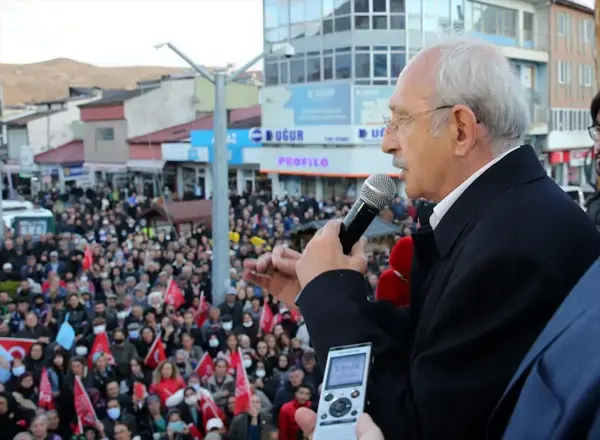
x=332, y=96
x=571, y=89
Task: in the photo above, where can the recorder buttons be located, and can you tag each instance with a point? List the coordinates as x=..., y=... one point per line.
x=355, y=394
x=328, y=397
x=340, y=407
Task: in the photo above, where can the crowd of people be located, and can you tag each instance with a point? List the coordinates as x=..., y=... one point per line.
x=150, y=367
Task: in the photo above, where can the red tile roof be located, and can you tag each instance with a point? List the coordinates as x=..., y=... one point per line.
x=176, y=133
x=240, y=114
x=71, y=152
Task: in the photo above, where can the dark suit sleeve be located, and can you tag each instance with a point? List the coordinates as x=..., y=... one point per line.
x=491, y=312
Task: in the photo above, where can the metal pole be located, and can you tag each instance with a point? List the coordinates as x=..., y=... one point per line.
x=220, y=209
x=1, y=200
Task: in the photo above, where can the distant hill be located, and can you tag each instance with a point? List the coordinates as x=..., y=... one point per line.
x=49, y=80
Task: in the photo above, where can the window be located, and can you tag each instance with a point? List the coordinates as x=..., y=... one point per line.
x=586, y=79
x=397, y=22
x=361, y=22
x=342, y=24
x=379, y=5
x=397, y=6
x=527, y=26
x=397, y=62
x=312, y=10
x=380, y=21
x=313, y=69
x=564, y=72
x=297, y=11
x=105, y=134
x=336, y=14
x=494, y=20
x=362, y=65
x=586, y=31
x=297, y=70
x=380, y=65
x=327, y=66
x=561, y=24
x=343, y=65
x=271, y=73
x=284, y=71
x=361, y=6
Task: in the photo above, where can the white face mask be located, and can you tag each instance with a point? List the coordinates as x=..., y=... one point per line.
x=261, y=373
x=227, y=326
x=214, y=343
x=122, y=315
x=248, y=324
x=191, y=400
x=81, y=351
x=99, y=329
x=247, y=363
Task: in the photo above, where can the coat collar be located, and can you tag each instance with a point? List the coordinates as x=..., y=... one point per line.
x=519, y=167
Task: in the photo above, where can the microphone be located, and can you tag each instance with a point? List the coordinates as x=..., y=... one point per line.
x=390, y=287
x=376, y=193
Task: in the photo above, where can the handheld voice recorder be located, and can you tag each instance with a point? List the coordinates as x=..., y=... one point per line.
x=343, y=397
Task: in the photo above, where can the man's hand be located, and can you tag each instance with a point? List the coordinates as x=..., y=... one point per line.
x=276, y=273
x=366, y=429
x=324, y=253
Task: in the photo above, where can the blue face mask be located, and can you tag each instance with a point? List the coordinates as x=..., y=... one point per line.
x=177, y=426
x=18, y=371
x=134, y=334
x=196, y=386
x=113, y=413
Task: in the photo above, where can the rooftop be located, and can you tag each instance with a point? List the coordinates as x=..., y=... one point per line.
x=71, y=152
x=113, y=97
x=22, y=121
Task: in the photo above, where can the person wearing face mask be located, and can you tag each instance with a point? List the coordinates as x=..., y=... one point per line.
x=114, y=414
x=232, y=307
x=249, y=328
x=123, y=351
x=190, y=412
x=214, y=345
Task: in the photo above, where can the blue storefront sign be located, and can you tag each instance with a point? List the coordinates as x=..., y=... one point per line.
x=366, y=134
x=237, y=140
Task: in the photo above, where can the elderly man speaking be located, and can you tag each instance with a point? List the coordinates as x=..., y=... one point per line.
x=503, y=248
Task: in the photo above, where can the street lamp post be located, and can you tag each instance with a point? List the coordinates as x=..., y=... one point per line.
x=220, y=166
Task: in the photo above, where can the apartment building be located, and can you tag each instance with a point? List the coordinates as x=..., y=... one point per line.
x=572, y=86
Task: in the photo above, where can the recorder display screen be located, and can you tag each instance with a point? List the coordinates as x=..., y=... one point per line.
x=346, y=371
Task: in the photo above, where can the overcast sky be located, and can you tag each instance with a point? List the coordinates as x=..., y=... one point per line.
x=123, y=32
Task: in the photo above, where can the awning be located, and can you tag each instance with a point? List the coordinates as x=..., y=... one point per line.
x=145, y=165
x=12, y=168
x=106, y=167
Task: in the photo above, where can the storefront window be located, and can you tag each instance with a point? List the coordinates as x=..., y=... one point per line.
x=232, y=181
x=308, y=186
x=337, y=187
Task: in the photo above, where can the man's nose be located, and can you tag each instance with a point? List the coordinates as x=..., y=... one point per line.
x=388, y=143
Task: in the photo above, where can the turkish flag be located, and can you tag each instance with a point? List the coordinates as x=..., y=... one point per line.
x=17, y=347
x=83, y=406
x=202, y=314
x=174, y=296
x=100, y=344
x=267, y=320
x=235, y=359
x=156, y=354
x=205, y=367
x=88, y=259
x=242, y=389
x=210, y=410
x=296, y=316
x=139, y=390
x=45, y=399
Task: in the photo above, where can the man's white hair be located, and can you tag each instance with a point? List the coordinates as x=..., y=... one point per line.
x=475, y=73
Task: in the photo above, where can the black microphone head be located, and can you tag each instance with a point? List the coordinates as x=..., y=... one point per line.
x=378, y=191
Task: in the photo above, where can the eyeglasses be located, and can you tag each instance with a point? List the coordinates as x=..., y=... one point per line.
x=392, y=125
x=594, y=132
